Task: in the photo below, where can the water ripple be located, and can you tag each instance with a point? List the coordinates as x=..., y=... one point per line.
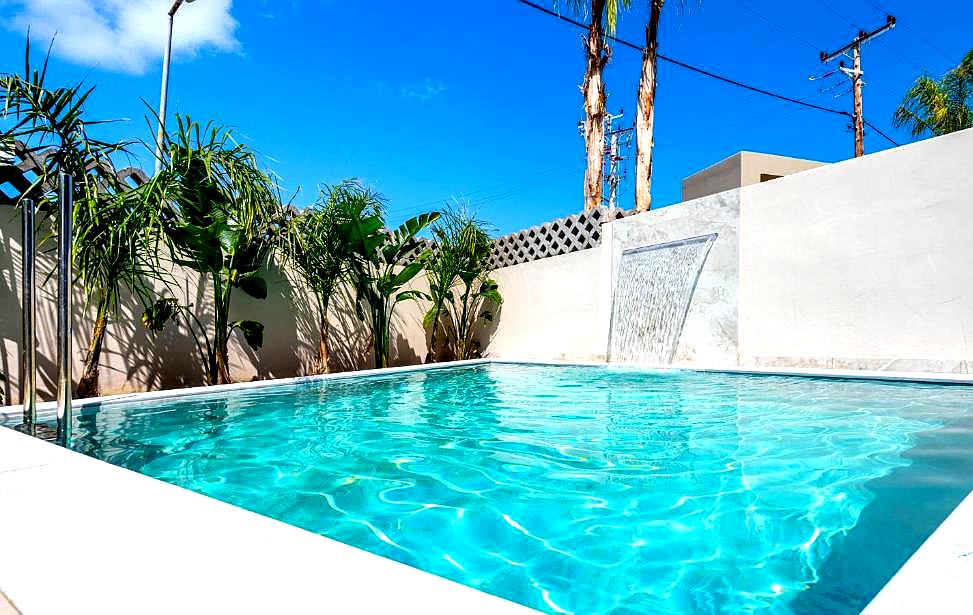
x=578, y=490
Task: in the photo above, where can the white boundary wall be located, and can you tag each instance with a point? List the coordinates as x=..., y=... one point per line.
x=862, y=264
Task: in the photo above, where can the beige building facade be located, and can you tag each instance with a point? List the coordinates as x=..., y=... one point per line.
x=742, y=169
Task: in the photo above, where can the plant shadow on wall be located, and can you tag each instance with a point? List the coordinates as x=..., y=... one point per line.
x=9, y=306
x=463, y=296
x=287, y=322
x=181, y=248
x=149, y=354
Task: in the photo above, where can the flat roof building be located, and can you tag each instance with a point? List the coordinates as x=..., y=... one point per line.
x=742, y=169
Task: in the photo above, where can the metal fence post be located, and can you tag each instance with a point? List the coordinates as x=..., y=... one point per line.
x=64, y=240
x=28, y=380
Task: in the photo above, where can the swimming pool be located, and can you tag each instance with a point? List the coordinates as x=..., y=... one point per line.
x=582, y=489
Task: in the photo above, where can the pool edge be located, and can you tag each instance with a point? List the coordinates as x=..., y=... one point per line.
x=937, y=576
x=153, y=547
x=12, y=414
x=943, y=561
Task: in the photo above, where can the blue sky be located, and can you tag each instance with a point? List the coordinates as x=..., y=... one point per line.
x=479, y=101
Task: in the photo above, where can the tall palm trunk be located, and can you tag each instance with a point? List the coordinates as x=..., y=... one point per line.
x=645, y=116
x=322, y=365
x=220, y=367
x=88, y=384
x=593, y=89
x=381, y=323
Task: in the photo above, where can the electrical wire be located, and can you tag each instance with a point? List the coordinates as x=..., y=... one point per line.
x=879, y=41
x=553, y=175
x=784, y=29
x=687, y=66
x=917, y=34
x=486, y=199
x=705, y=72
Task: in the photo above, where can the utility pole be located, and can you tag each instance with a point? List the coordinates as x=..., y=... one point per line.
x=855, y=75
x=614, y=141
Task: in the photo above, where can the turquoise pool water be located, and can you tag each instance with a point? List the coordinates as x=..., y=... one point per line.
x=583, y=489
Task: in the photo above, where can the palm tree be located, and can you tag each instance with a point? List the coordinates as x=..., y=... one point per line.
x=115, y=237
x=460, y=286
x=597, y=53
x=110, y=249
x=645, y=114
x=222, y=218
x=319, y=250
x=938, y=107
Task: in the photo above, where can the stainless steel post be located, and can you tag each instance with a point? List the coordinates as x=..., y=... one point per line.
x=28, y=380
x=64, y=237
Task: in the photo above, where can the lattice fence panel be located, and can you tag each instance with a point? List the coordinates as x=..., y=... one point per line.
x=20, y=168
x=562, y=236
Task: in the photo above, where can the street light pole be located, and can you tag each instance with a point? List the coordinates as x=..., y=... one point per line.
x=163, y=98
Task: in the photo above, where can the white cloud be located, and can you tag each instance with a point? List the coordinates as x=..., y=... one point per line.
x=425, y=90
x=123, y=35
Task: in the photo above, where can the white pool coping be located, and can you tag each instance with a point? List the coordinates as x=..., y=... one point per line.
x=84, y=536
x=938, y=578
x=138, y=531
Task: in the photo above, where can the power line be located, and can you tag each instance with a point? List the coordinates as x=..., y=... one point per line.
x=882, y=134
x=553, y=177
x=698, y=70
x=489, y=188
x=569, y=173
x=486, y=199
x=917, y=34
x=687, y=66
x=880, y=42
x=855, y=73
x=784, y=29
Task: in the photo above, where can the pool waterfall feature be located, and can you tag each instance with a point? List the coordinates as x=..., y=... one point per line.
x=654, y=287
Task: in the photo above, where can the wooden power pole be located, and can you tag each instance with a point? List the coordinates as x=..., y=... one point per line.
x=855, y=74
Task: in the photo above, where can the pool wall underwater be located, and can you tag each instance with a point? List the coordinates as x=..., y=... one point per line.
x=122, y=511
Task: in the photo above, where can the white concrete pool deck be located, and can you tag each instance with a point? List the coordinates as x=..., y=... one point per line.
x=83, y=536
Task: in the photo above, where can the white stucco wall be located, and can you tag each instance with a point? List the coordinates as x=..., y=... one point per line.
x=863, y=264
x=554, y=308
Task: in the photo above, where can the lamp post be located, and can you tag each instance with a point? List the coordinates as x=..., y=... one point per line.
x=160, y=137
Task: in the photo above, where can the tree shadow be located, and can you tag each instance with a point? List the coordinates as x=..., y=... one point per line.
x=158, y=360
x=10, y=308
x=486, y=330
x=287, y=349
x=349, y=338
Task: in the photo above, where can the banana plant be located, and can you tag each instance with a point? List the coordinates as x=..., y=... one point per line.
x=222, y=218
x=383, y=263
